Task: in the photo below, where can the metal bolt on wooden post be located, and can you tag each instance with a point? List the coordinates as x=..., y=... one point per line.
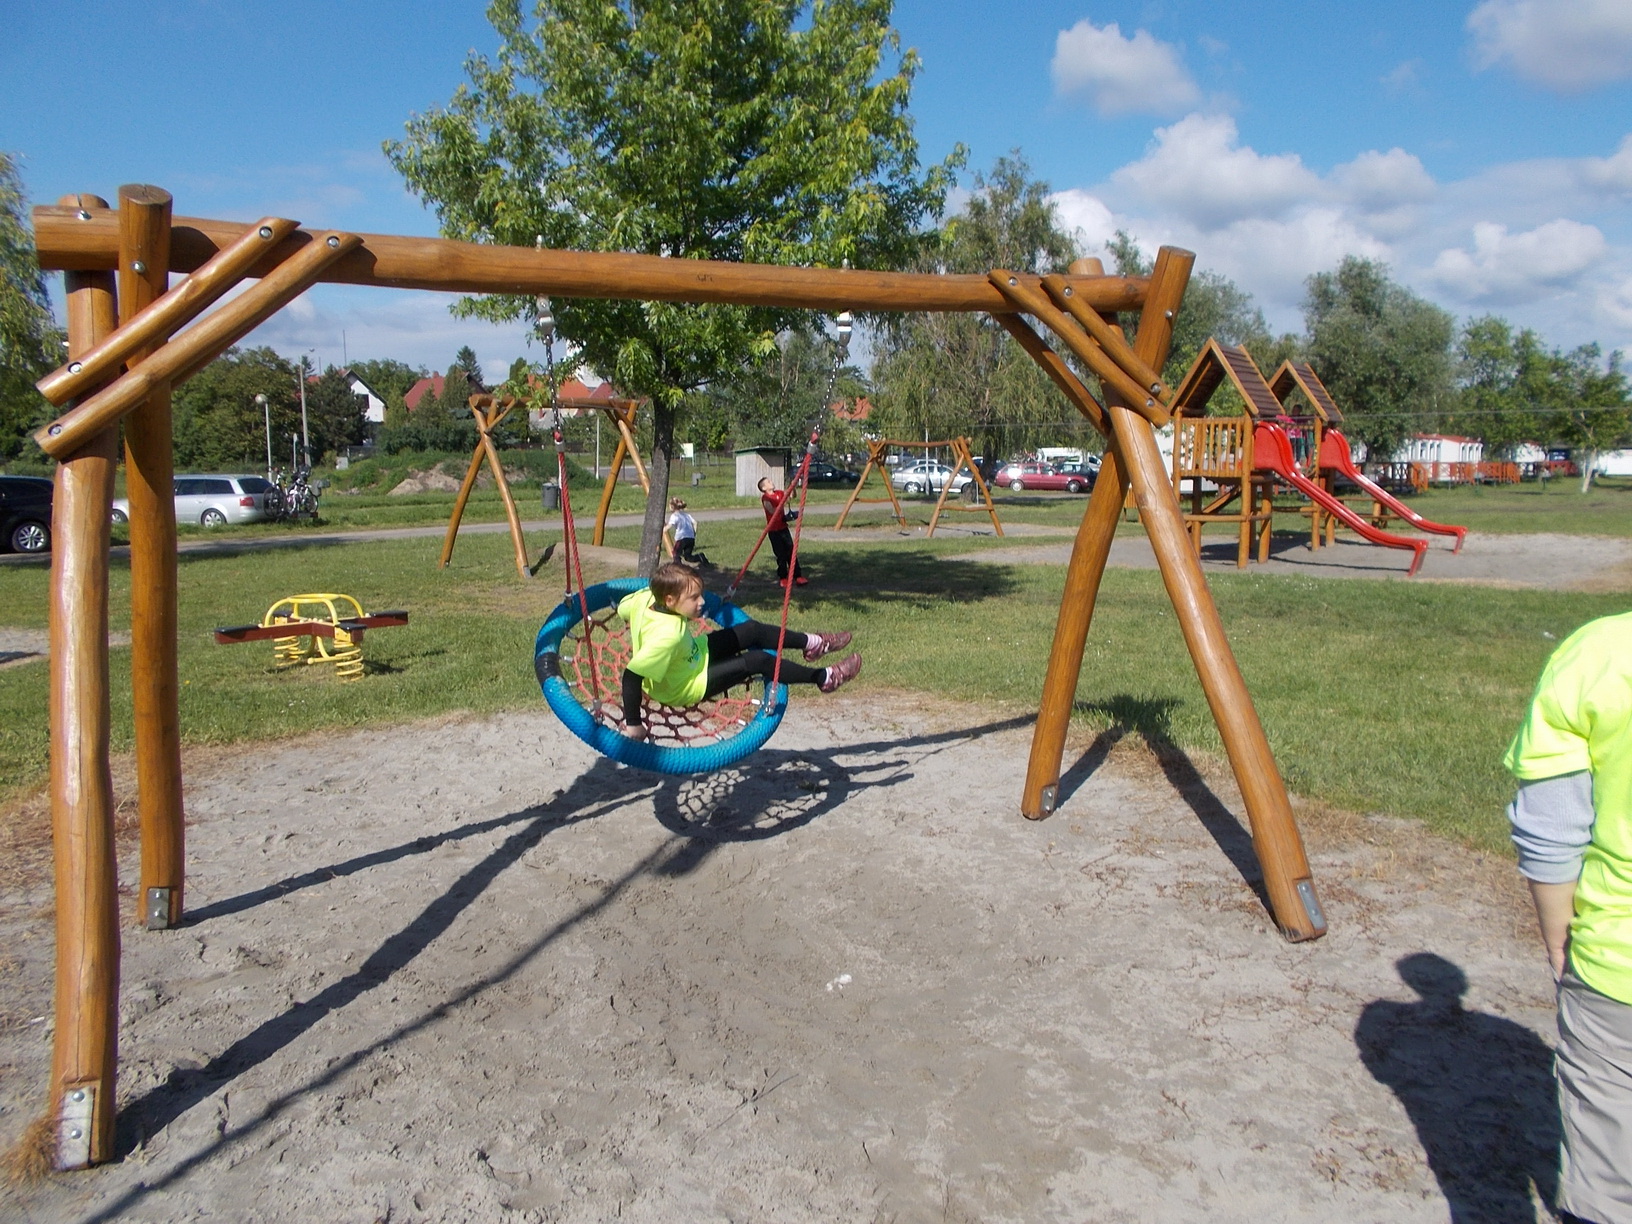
x=85, y=1040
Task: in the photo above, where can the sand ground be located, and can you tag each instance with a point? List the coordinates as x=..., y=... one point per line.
x=467, y=971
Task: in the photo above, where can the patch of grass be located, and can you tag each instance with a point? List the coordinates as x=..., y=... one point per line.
x=1557, y=506
x=1377, y=696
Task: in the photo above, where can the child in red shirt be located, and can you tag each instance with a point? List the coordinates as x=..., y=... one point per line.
x=773, y=501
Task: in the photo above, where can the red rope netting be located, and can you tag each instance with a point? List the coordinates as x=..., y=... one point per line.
x=595, y=675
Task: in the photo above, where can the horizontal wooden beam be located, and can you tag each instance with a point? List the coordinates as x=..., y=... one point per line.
x=87, y=239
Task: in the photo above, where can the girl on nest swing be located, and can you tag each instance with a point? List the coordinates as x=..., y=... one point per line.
x=672, y=666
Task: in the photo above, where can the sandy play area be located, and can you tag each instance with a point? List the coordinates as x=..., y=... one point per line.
x=466, y=971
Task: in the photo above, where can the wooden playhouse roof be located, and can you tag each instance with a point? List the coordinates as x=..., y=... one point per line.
x=1212, y=366
x=1301, y=374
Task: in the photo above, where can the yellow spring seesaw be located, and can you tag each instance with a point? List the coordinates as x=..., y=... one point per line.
x=313, y=629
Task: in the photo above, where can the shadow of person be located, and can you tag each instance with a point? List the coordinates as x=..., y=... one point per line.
x=1479, y=1090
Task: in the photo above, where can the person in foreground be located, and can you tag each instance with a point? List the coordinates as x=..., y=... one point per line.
x=1572, y=825
x=672, y=666
x=774, y=501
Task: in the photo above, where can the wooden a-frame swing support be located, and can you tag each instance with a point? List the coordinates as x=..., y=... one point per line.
x=963, y=460
x=489, y=412
x=127, y=350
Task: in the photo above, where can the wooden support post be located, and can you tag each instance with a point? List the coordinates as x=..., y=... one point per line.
x=1275, y=835
x=85, y=1041
x=149, y=479
x=488, y=413
x=484, y=426
x=1089, y=553
x=877, y=451
x=609, y=488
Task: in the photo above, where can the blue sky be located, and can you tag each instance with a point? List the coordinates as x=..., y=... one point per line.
x=1482, y=148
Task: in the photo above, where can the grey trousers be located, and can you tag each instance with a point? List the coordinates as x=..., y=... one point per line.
x=1594, y=1067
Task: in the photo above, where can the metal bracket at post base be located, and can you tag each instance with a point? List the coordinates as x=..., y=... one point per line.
x=1311, y=907
x=158, y=909
x=1049, y=797
x=74, y=1117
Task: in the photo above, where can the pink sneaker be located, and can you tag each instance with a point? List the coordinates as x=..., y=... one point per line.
x=846, y=669
x=819, y=644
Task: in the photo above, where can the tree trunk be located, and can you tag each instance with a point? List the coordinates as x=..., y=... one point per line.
x=651, y=535
x=1589, y=464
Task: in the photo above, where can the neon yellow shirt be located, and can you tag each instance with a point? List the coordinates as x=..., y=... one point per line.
x=1581, y=718
x=670, y=660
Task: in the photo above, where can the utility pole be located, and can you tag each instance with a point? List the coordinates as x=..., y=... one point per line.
x=266, y=412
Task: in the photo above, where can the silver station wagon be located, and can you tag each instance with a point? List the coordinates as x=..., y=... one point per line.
x=213, y=501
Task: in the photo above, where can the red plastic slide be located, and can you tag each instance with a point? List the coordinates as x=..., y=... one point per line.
x=1335, y=454
x=1272, y=451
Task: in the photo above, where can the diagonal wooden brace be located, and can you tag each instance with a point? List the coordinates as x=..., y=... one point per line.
x=196, y=348
x=1109, y=338
x=1027, y=296
x=1054, y=366
x=171, y=312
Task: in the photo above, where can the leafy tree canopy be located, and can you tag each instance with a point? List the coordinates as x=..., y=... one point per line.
x=30, y=343
x=771, y=131
x=951, y=374
x=1383, y=352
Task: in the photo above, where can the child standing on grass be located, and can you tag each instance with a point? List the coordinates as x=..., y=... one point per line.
x=672, y=666
x=680, y=534
x=1572, y=825
x=773, y=501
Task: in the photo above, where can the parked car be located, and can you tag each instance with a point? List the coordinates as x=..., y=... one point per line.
x=927, y=476
x=827, y=473
x=25, y=513
x=1030, y=476
x=213, y=501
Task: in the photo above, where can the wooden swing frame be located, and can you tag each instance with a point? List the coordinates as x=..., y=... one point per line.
x=489, y=411
x=878, y=451
x=127, y=350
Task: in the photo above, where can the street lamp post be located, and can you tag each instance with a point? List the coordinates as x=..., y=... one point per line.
x=305, y=435
x=266, y=413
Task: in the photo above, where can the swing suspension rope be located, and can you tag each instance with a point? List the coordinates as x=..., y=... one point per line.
x=583, y=648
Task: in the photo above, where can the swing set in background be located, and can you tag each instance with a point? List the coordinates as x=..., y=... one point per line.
x=130, y=343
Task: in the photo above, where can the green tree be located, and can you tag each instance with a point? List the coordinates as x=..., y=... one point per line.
x=218, y=423
x=465, y=362
x=950, y=373
x=1383, y=352
x=335, y=414
x=1595, y=415
x=30, y=344
x=770, y=131
x=774, y=400
x=1497, y=375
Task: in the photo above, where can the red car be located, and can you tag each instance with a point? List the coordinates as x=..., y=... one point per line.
x=1024, y=477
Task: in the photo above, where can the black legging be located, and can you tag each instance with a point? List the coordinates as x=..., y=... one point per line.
x=782, y=546
x=733, y=656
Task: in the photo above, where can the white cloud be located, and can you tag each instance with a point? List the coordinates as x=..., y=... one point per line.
x=1377, y=182
x=1513, y=268
x=1564, y=45
x=1611, y=174
x=1121, y=76
x=1199, y=171
x=1086, y=214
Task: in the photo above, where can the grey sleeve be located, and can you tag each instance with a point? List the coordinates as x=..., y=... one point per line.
x=1552, y=826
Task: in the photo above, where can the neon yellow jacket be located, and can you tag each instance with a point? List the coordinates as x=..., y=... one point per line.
x=1581, y=718
x=670, y=660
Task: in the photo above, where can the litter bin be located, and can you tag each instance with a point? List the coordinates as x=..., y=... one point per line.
x=552, y=495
